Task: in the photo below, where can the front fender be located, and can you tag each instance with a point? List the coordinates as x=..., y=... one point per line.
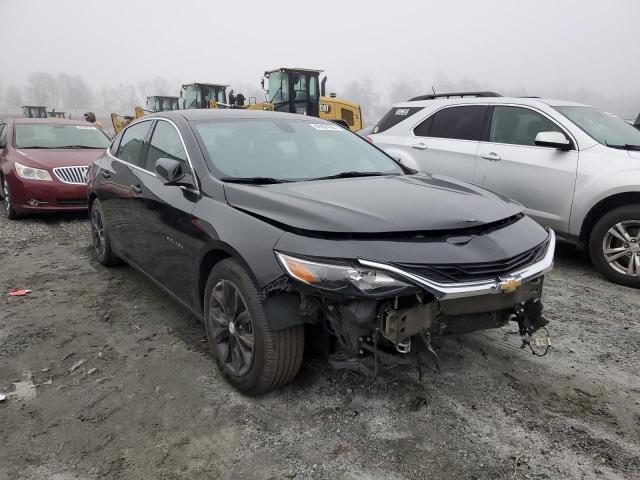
x=597, y=189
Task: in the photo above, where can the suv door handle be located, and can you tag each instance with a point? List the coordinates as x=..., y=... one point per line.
x=136, y=188
x=493, y=156
x=419, y=146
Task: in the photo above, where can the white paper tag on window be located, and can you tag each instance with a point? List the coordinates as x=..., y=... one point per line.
x=84, y=127
x=326, y=126
x=402, y=111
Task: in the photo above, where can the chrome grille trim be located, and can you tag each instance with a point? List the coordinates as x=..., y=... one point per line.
x=76, y=175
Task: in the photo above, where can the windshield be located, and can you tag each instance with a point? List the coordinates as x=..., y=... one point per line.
x=49, y=135
x=603, y=127
x=288, y=149
x=278, y=87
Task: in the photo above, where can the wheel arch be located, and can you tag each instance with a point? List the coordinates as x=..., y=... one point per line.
x=604, y=206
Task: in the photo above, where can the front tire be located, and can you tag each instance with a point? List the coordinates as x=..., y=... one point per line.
x=614, y=245
x=7, y=206
x=100, y=238
x=252, y=357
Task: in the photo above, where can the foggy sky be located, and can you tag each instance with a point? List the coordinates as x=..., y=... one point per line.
x=504, y=44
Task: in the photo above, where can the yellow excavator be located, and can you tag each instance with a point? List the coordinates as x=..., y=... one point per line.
x=155, y=103
x=299, y=90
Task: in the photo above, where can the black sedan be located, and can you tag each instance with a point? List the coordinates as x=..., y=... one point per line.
x=268, y=225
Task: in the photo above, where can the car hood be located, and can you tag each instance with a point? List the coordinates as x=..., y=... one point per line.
x=49, y=158
x=386, y=204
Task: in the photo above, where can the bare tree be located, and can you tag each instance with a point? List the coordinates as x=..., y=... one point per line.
x=74, y=92
x=403, y=90
x=13, y=97
x=42, y=89
x=362, y=92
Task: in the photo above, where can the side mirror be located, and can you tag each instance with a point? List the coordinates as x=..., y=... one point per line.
x=169, y=170
x=553, y=139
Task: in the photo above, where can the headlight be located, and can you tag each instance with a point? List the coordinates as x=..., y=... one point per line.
x=31, y=173
x=342, y=277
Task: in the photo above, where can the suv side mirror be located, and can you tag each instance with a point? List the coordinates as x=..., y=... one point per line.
x=170, y=171
x=553, y=139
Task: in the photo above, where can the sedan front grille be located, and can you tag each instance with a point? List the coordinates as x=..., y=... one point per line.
x=468, y=272
x=76, y=175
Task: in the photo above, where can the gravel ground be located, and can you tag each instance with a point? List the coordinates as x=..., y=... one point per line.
x=109, y=378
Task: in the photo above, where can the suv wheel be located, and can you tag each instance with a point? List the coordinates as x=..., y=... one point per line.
x=614, y=245
x=8, y=209
x=252, y=357
x=100, y=238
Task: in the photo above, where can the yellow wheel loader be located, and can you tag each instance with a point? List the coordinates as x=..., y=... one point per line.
x=31, y=111
x=298, y=90
x=162, y=103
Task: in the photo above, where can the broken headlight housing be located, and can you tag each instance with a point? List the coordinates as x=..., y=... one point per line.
x=342, y=277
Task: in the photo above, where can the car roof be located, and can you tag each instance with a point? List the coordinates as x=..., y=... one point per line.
x=531, y=101
x=230, y=113
x=59, y=121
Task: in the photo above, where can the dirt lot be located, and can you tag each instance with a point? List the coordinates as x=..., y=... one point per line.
x=112, y=379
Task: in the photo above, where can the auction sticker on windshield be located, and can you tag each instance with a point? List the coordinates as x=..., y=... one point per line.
x=83, y=127
x=325, y=126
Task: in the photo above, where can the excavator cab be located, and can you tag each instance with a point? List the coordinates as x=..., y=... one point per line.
x=160, y=103
x=30, y=111
x=293, y=90
x=54, y=114
x=202, y=95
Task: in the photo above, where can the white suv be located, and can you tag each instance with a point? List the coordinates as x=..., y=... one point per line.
x=574, y=167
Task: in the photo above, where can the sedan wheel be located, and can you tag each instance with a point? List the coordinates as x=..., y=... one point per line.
x=100, y=238
x=614, y=245
x=251, y=356
x=9, y=211
x=232, y=328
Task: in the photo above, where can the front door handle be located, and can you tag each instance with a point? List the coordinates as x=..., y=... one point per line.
x=493, y=156
x=136, y=188
x=419, y=146
x=106, y=174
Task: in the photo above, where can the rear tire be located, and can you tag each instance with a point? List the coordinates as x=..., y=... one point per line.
x=7, y=204
x=252, y=357
x=614, y=245
x=100, y=237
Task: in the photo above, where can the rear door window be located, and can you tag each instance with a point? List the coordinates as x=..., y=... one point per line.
x=394, y=117
x=459, y=123
x=132, y=144
x=518, y=126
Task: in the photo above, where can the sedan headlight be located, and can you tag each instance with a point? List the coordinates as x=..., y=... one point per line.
x=31, y=173
x=341, y=277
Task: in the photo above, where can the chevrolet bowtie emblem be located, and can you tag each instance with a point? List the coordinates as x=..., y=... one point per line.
x=509, y=285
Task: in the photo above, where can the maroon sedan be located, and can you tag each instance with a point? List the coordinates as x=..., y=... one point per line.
x=44, y=163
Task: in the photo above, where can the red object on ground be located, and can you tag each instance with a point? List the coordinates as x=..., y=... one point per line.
x=19, y=293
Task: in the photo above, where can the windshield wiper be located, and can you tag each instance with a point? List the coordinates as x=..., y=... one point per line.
x=252, y=180
x=353, y=174
x=626, y=146
x=79, y=146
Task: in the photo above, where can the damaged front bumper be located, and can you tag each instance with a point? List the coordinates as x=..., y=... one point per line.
x=503, y=284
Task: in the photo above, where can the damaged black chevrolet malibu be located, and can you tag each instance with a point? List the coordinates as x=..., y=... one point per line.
x=270, y=225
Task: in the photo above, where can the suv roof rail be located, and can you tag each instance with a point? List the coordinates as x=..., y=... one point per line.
x=433, y=96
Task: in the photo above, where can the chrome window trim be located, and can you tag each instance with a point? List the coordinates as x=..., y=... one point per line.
x=184, y=146
x=468, y=289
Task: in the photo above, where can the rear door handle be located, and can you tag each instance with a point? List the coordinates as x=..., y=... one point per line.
x=106, y=174
x=136, y=188
x=493, y=156
x=419, y=146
